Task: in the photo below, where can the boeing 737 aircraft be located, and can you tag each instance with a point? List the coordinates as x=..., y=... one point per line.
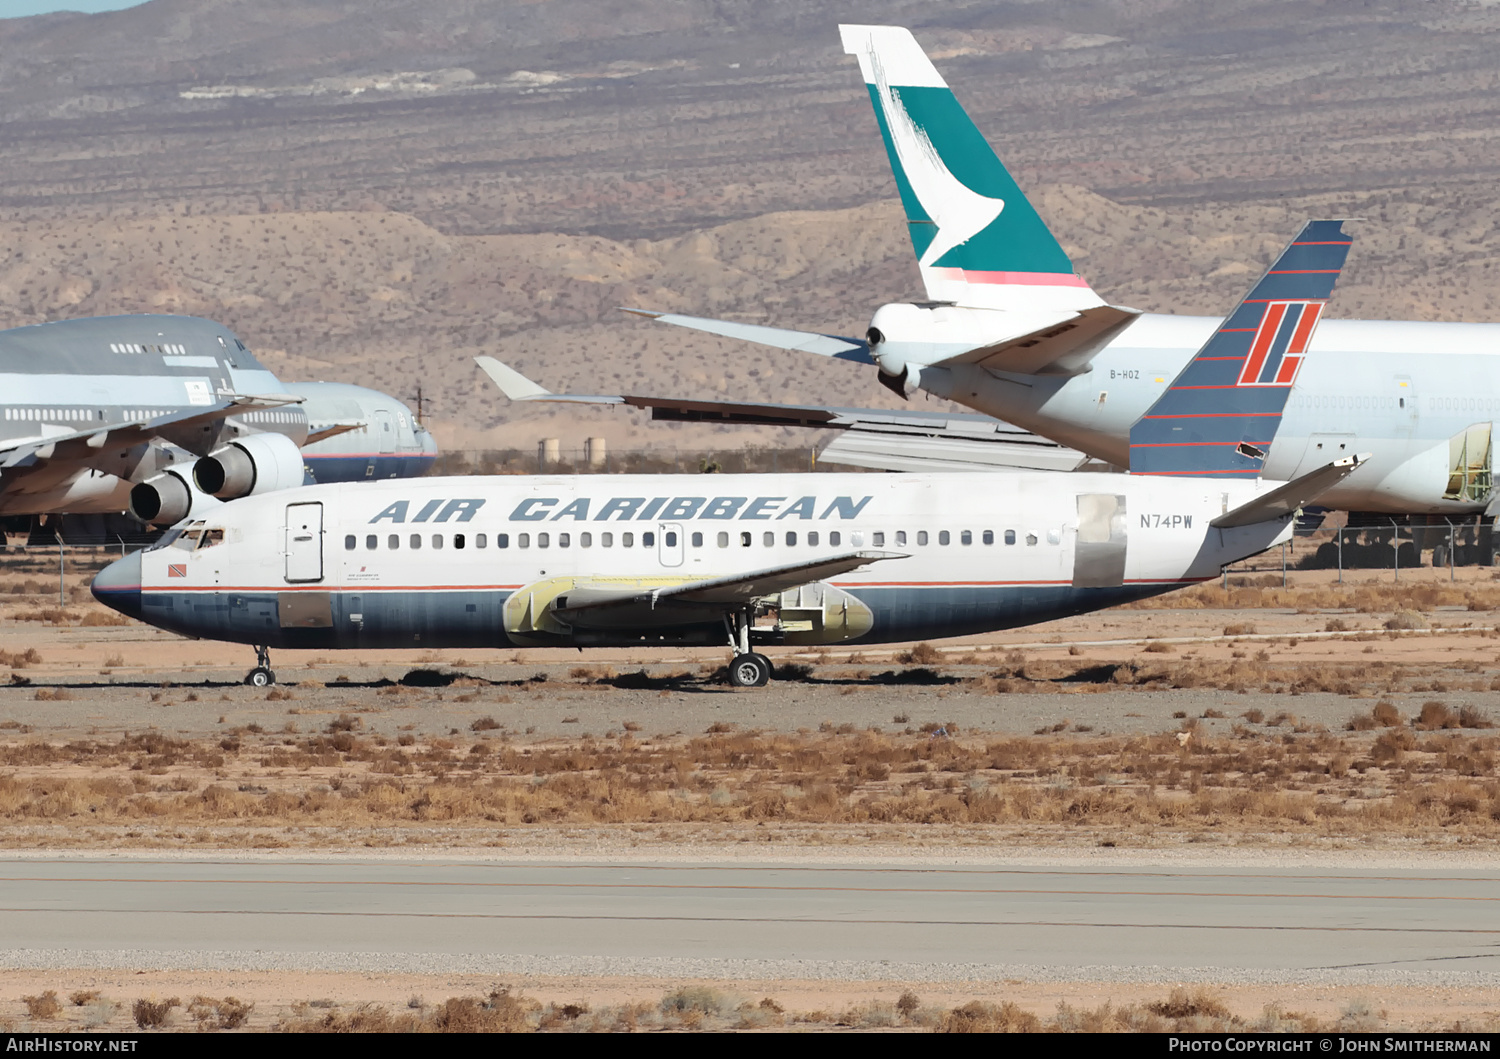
x=745, y=560
x=168, y=415
x=1011, y=330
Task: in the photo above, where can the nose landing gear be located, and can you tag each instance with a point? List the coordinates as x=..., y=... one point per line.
x=262, y=675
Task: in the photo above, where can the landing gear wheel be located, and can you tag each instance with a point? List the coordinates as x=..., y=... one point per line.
x=750, y=671
x=770, y=669
x=260, y=677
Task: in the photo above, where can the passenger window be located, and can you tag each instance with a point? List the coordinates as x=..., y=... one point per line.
x=901, y=538
x=989, y=537
x=966, y=537
x=607, y=540
x=543, y=540
x=585, y=540
x=437, y=541
x=393, y=542
x=523, y=540
x=943, y=537
x=458, y=540
x=671, y=539
x=349, y=542
x=697, y=540
x=723, y=540
x=416, y=541
x=627, y=540
x=480, y=540
x=922, y=537
x=877, y=538
x=1030, y=539
x=834, y=539
x=564, y=539
x=502, y=540
x=1010, y=536
x=744, y=540
x=791, y=538
x=372, y=542
x=769, y=539
x=812, y=538
x=648, y=540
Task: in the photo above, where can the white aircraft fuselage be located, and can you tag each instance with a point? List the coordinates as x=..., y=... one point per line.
x=1403, y=389
x=670, y=560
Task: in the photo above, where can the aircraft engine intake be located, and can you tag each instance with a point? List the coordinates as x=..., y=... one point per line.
x=167, y=499
x=259, y=463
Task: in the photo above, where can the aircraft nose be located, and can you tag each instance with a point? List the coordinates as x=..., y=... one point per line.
x=428, y=443
x=118, y=585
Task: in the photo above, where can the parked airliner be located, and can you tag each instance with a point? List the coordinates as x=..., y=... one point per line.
x=168, y=415
x=746, y=560
x=1011, y=330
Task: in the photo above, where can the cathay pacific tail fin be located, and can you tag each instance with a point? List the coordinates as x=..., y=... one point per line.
x=1220, y=415
x=979, y=242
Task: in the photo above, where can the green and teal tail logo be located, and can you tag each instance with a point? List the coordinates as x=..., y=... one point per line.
x=970, y=224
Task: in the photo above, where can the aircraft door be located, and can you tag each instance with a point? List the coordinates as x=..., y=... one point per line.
x=669, y=543
x=385, y=431
x=304, y=542
x=1406, y=405
x=1099, y=556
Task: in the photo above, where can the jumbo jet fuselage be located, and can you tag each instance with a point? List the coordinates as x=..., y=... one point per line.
x=95, y=376
x=1402, y=390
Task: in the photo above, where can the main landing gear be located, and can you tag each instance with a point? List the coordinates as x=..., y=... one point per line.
x=748, y=669
x=262, y=675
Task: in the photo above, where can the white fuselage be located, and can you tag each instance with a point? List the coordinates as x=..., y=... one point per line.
x=478, y=561
x=1399, y=389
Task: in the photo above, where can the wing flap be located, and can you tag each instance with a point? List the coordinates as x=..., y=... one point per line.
x=586, y=600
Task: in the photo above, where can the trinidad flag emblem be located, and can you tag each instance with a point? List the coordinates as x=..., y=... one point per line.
x=177, y=570
x=1279, y=343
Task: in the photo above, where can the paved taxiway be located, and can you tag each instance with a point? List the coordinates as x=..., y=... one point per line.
x=754, y=921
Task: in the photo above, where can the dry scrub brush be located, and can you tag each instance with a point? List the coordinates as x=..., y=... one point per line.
x=1278, y=778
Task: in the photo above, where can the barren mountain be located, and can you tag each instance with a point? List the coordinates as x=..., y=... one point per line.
x=375, y=192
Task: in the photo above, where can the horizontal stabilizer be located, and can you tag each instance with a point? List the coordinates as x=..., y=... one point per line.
x=1064, y=347
x=1284, y=500
x=715, y=592
x=835, y=346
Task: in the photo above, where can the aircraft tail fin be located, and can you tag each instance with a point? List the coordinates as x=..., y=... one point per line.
x=1221, y=413
x=978, y=241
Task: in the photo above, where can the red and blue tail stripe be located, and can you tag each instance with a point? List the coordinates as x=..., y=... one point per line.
x=1222, y=412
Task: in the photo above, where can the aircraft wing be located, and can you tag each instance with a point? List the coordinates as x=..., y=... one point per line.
x=331, y=432
x=869, y=437
x=1284, y=500
x=1051, y=343
x=587, y=600
x=835, y=346
x=192, y=430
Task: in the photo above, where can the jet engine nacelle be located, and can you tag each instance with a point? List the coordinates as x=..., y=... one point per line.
x=167, y=499
x=257, y=463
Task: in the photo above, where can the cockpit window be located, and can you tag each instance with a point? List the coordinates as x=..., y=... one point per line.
x=167, y=540
x=210, y=538
x=188, y=540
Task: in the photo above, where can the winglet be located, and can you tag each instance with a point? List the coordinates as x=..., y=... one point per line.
x=511, y=382
x=979, y=242
x=1221, y=413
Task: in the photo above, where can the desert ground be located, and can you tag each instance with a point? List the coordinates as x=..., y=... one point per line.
x=1343, y=724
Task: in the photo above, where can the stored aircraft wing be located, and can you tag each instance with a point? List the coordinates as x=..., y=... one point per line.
x=191, y=430
x=868, y=437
